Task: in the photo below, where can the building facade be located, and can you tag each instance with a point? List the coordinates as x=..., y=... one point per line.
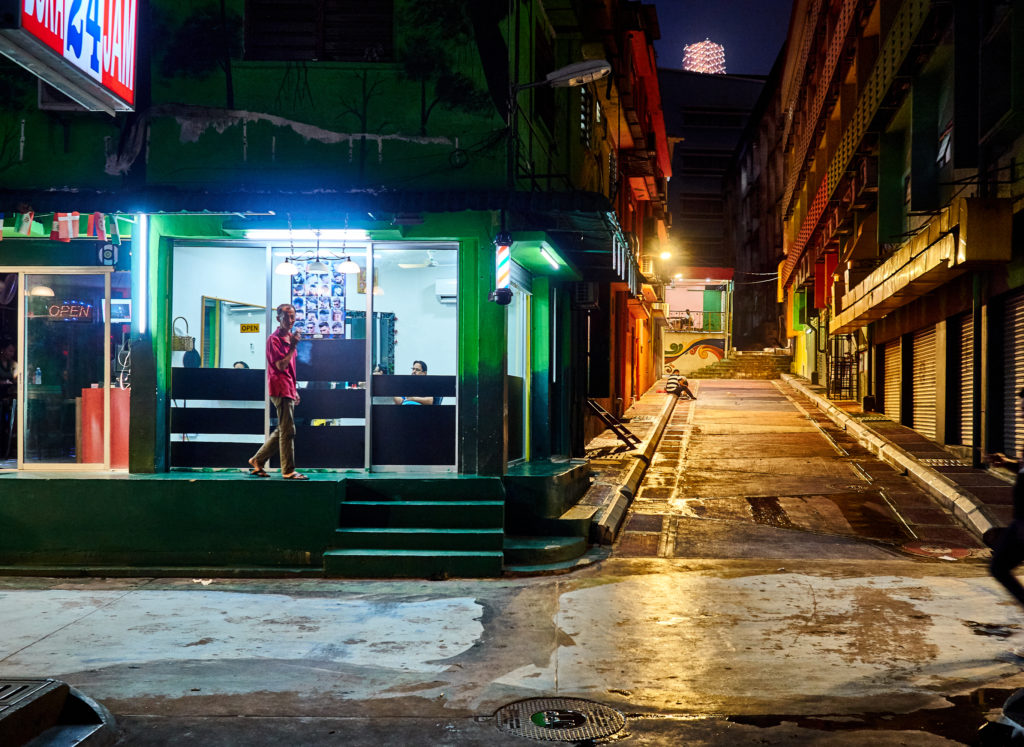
x=903, y=126
x=379, y=154
x=753, y=188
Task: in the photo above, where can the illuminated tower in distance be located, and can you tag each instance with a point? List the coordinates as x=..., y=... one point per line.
x=704, y=57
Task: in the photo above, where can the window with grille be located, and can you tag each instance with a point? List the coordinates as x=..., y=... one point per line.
x=324, y=30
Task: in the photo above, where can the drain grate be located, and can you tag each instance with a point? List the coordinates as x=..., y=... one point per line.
x=559, y=719
x=941, y=462
x=16, y=692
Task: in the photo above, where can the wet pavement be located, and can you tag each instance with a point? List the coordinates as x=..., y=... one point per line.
x=748, y=457
x=762, y=591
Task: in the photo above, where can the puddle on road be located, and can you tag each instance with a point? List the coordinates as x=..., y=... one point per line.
x=960, y=721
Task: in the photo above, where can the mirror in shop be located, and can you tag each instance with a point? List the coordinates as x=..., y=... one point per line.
x=233, y=333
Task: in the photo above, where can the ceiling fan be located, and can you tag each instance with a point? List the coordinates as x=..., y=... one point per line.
x=430, y=261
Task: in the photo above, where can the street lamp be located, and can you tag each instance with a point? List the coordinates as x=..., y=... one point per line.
x=570, y=76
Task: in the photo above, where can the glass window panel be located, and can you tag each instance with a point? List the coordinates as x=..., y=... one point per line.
x=64, y=369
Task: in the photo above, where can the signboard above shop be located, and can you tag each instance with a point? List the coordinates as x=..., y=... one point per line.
x=83, y=48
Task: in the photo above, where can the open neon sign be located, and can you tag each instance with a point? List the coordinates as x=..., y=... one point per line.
x=69, y=311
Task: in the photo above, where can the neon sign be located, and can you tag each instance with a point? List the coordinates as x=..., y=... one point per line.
x=69, y=310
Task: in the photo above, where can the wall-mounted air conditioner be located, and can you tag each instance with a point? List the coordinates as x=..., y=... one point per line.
x=447, y=291
x=584, y=295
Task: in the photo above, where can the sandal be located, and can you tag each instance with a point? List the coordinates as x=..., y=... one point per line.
x=295, y=476
x=256, y=471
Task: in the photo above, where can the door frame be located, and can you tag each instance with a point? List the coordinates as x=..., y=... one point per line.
x=22, y=271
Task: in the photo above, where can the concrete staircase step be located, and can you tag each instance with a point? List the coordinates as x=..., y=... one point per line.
x=417, y=538
x=542, y=550
x=424, y=488
x=428, y=514
x=366, y=563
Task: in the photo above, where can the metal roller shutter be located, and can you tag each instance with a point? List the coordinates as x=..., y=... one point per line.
x=891, y=392
x=924, y=382
x=1013, y=424
x=967, y=380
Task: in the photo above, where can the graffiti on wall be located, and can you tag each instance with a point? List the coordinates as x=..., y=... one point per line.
x=686, y=352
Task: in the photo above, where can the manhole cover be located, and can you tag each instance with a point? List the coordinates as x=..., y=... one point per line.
x=559, y=719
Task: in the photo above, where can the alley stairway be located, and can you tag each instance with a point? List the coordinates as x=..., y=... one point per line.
x=746, y=365
x=419, y=528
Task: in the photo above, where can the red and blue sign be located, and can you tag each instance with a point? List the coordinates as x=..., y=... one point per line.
x=97, y=38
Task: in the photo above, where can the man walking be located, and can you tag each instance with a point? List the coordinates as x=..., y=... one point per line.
x=1009, y=552
x=284, y=394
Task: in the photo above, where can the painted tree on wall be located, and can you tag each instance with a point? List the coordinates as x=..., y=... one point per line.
x=206, y=40
x=438, y=31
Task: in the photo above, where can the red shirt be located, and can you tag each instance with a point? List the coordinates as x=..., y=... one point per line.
x=282, y=383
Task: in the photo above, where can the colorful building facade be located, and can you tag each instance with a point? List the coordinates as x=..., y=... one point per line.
x=380, y=154
x=901, y=212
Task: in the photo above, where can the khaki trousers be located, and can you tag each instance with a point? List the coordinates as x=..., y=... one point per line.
x=282, y=439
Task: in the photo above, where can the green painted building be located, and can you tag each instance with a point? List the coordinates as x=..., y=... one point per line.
x=357, y=160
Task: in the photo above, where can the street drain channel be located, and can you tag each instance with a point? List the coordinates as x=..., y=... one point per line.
x=559, y=719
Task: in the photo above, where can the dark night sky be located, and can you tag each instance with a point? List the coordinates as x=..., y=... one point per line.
x=752, y=31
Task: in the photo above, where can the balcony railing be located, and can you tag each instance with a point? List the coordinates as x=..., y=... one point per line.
x=696, y=321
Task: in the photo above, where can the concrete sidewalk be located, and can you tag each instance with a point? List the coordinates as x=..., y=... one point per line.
x=617, y=469
x=980, y=498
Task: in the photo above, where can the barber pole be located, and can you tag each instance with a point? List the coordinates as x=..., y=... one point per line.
x=503, y=261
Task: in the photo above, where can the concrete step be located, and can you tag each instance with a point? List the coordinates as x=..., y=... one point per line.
x=542, y=550
x=422, y=514
x=417, y=538
x=424, y=488
x=412, y=563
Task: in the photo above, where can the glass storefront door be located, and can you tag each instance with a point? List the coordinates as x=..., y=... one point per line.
x=369, y=312
x=65, y=365
x=414, y=346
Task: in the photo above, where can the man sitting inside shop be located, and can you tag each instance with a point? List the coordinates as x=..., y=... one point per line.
x=419, y=368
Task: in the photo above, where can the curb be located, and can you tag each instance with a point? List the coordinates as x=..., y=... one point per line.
x=608, y=519
x=964, y=505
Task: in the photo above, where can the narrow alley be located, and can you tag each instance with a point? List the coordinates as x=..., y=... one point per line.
x=750, y=458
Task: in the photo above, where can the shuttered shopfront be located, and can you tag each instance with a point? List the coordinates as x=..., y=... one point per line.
x=1013, y=382
x=924, y=382
x=891, y=391
x=966, y=335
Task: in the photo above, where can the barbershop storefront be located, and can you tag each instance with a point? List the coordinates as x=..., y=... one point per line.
x=150, y=354
x=373, y=314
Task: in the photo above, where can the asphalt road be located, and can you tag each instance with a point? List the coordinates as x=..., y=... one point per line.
x=762, y=592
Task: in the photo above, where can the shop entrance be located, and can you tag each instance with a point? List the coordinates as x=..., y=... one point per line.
x=369, y=313
x=62, y=412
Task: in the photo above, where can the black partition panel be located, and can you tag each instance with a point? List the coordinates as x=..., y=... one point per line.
x=413, y=386
x=414, y=434
x=330, y=403
x=330, y=446
x=330, y=360
x=201, y=434
x=217, y=383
